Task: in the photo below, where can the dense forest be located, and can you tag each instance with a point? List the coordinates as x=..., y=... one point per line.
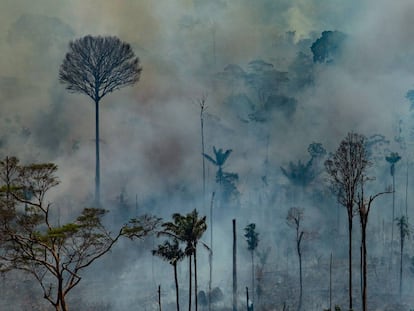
x=206, y=155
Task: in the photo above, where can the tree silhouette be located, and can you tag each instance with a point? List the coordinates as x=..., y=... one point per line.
x=302, y=174
x=294, y=220
x=225, y=180
x=403, y=226
x=364, y=207
x=219, y=159
x=346, y=168
x=32, y=241
x=97, y=66
x=326, y=48
x=252, y=239
x=172, y=253
x=392, y=159
x=188, y=229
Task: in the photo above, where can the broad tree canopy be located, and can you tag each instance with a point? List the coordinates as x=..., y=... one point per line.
x=96, y=66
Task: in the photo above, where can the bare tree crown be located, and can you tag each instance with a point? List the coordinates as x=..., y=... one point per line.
x=347, y=166
x=96, y=66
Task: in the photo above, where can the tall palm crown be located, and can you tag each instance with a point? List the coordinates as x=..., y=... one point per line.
x=393, y=158
x=186, y=228
x=170, y=252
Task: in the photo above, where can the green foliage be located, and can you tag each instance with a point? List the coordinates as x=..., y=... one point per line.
x=141, y=226
x=326, y=48
x=30, y=240
x=252, y=237
x=187, y=228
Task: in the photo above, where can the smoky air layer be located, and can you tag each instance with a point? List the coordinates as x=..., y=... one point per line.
x=268, y=99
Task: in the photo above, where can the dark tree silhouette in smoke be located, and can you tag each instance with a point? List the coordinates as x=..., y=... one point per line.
x=252, y=239
x=392, y=159
x=97, y=66
x=33, y=241
x=328, y=47
x=172, y=253
x=346, y=169
x=188, y=229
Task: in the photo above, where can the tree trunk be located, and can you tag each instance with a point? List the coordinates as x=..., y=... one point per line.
x=210, y=256
x=350, y=259
x=364, y=259
x=300, y=279
x=330, y=284
x=393, y=209
x=247, y=298
x=253, y=289
x=177, y=296
x=234, y=267
x=203, y=152
x=401, y=260
x=190, y=276
x=97, y=167
x=195, y=279
x=406, y=192
x=159, y=297
x=61, y=296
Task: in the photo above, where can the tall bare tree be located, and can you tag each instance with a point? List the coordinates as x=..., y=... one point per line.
x=364, y=207
x=97, y=66
x=33, y=240
x=294, y=220
x=345, y=168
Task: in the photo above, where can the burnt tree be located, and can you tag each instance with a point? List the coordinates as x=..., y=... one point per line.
x=97, y=66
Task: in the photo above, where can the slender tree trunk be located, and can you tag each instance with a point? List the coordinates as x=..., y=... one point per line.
x=61, y=296
x=401, y=260
x=330, y=284
x=393, y=209
x=300, y=279
x=190, y=276
x=211, y=252
x=253, y=288
x=247, y=298
x=159, y=297
x=350, y=259
x=234, y=267
x=195, y=279
x=97, y=167
x=177, y=296
x=202, y=150
x=406, y=192
x=364, y=258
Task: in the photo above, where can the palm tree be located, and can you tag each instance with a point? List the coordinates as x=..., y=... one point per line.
x=252, y=239
x=227, y=181
x=220, y=159
x=403, y=226
x=393, y=158
x=188, y=229
x=172, y=253
x=96, y=67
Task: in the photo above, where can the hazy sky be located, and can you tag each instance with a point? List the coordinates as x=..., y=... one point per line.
x=151, y=132
x=154, y=126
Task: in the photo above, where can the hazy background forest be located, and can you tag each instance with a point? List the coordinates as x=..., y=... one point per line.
x=270, y=99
